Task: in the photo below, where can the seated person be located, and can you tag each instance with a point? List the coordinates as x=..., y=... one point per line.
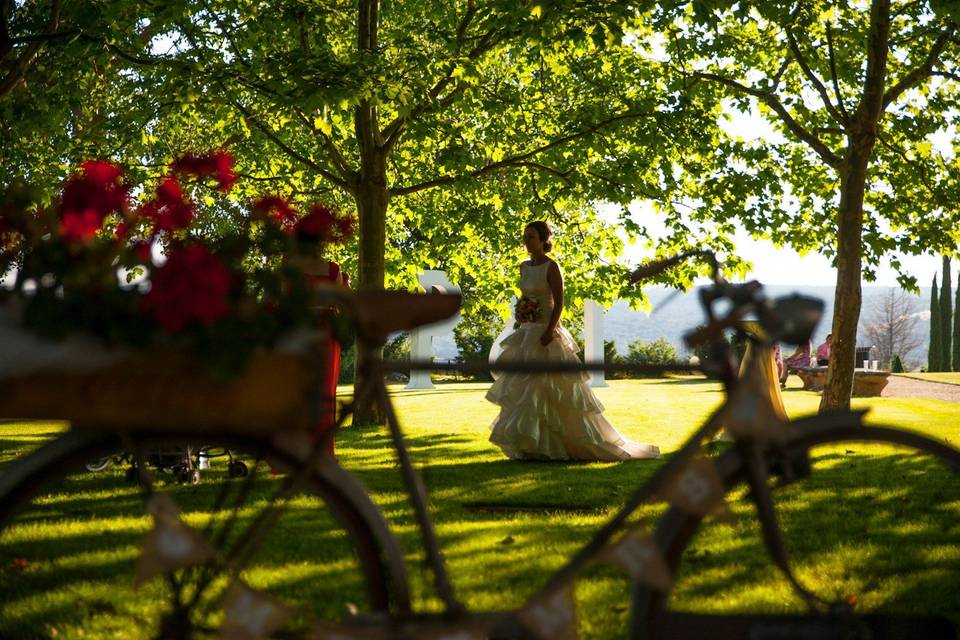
x=823, y=352
x=799, y=359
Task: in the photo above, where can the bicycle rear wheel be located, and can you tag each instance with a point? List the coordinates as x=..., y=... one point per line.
x=70, y=541
x=873, y=529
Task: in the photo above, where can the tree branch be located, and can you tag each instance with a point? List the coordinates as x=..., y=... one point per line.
x=921, y=71
x=23, y=62
x=833, y=75
x=394, y=129
x=946, y=74
x=825, y=153
x=290, y=151
x=812, y=77
x=523, y=158
x=337, y=158
x=45, y=37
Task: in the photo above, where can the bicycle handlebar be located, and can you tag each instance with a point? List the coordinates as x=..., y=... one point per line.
x=657, y=267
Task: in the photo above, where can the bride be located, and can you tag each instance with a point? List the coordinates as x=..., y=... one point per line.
x=549, y=416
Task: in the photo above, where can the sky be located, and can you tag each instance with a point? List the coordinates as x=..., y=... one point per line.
x=783, y=265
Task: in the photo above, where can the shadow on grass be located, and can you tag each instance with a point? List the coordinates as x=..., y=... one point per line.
x=78, y=539
x=884, y=528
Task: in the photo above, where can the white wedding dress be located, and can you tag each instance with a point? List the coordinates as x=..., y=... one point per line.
x=550, y=416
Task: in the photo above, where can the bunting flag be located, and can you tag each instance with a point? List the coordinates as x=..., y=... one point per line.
x=698, y=489
x=439, y=630
x=553, y=616
x=638, y=554
x=171, y=544
x=456, y=631
x=251, y=614
x=325, y=631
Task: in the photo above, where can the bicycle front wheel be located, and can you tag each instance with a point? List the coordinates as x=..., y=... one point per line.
x=872, y=530
x=71, y=540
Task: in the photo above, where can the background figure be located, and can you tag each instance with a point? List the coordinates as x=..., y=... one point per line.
x=823, y=351
x=761, y=368
x=324, y=273
x=799, y=359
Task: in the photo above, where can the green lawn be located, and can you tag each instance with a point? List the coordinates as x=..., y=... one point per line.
x=948, y=378
x=870, y=523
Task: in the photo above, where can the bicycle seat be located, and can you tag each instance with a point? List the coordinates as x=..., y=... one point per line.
x=380, y=313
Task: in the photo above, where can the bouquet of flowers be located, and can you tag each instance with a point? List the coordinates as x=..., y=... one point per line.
x=152, y=273
x=526, y=310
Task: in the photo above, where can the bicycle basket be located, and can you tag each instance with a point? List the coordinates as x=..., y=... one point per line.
x=168, y=391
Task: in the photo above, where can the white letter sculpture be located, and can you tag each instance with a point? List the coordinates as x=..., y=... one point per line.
x=421, y=338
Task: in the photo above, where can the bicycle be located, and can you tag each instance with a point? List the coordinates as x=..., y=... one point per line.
x=193, y=594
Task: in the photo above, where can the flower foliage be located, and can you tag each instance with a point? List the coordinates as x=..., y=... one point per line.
x=141, y=274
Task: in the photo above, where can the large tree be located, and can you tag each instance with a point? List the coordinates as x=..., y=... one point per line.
x=71, y=88
x=444, y=124
x=854, y=93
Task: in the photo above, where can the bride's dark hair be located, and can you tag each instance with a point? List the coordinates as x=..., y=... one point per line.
x=543, y=230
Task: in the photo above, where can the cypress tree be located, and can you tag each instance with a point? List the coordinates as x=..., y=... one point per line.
x=896, y=365
x=956, y=329
x=933, y=351
x=946, y=318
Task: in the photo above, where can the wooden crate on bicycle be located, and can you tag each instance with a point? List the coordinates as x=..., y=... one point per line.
x=170, y=390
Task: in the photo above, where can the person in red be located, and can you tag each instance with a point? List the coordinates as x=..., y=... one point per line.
x=823, y=352
x=799, y=359
x=319, y=228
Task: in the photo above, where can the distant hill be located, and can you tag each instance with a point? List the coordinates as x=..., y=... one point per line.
x=675, y=313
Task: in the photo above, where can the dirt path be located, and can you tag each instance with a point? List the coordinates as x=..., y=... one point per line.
x=900, y=387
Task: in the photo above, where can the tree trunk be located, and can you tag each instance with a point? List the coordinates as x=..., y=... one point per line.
x=861, y=138
x=847, y=297
x=372, y=199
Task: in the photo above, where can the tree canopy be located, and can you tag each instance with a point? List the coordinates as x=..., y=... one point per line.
x=856, y=95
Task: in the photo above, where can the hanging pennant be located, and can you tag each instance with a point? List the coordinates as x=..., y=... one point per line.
x=639, y=555
x=456, y=631
x=325, y=631
x=250, y=614
x=553, y=616
x=697, y=489
x=171, y=544
x=466, y=630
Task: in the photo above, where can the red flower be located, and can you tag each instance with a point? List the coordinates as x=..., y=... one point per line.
x=169, y=210
x=215, y=164
x=78, y=227
x=283, y=212
x=101, y=172
x=225, y=174
x=345, y=225
x=192, y=287
x=143, y=249
x=89, y=197
x=317, y=225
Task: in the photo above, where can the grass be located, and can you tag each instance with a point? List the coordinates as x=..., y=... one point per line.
x=947, y=378
x=870, y=522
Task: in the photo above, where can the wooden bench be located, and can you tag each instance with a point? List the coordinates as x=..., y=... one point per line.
x=865, y=383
